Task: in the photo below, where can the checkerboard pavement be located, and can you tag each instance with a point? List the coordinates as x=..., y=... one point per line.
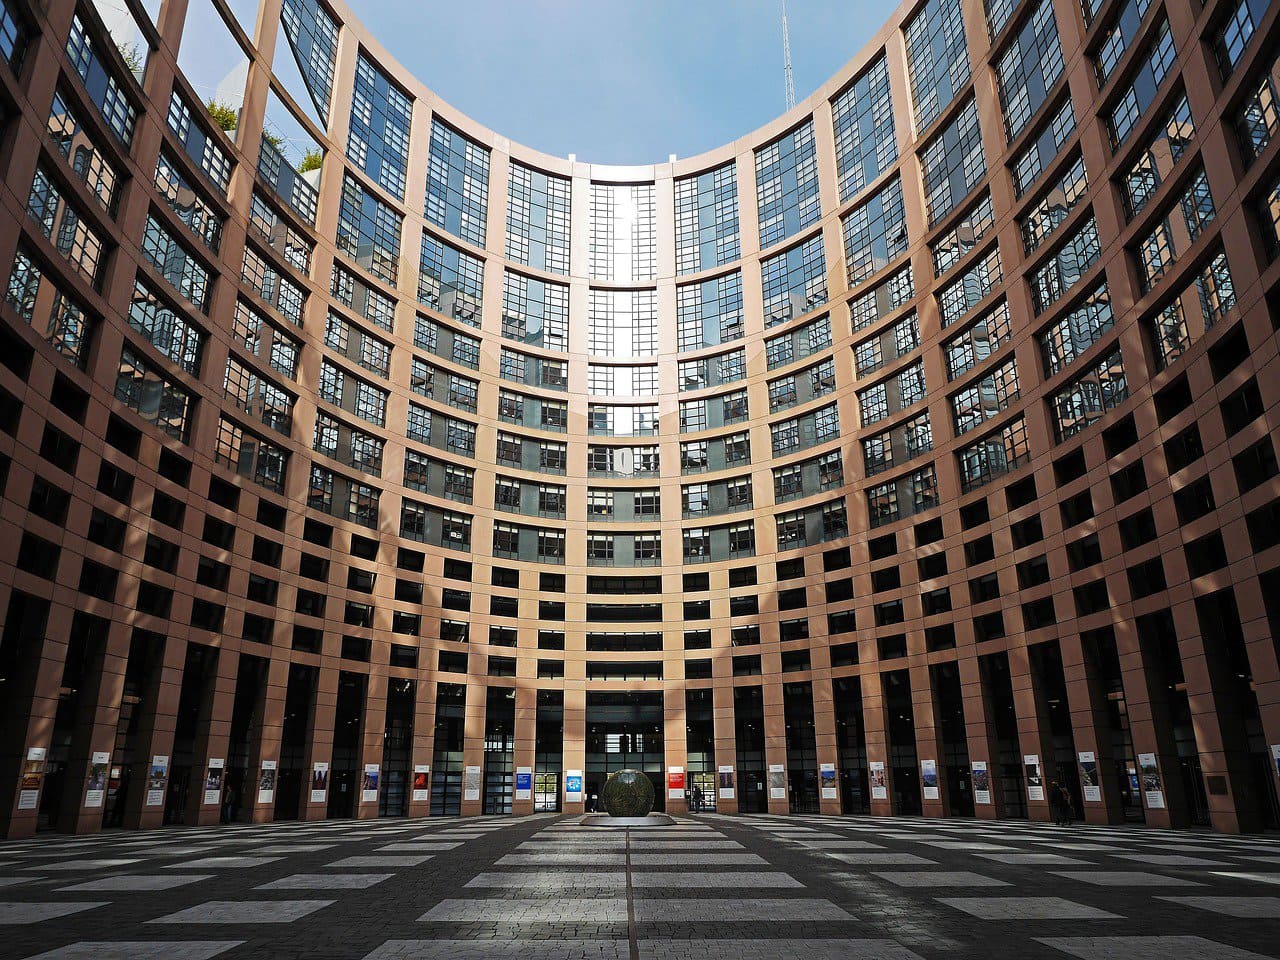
x=547, y=888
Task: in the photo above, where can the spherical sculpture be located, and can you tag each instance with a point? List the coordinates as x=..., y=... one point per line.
x=628, y=793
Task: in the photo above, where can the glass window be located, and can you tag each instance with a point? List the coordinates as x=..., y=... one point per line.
x=953, y=163
x=866, y=143
x=787, y=185
x=378, y=136
x=623, y=232
x=368, y=231
x=538, y=219
x=1066, y=339
x=794, y=281
x=457, y=184
x=450, y=280
x=937, y=58
x=706, y=211
x=1029, y=68
x=875, y=233
x=1085, y=400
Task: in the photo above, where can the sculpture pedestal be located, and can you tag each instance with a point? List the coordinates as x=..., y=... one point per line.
x=604, y=820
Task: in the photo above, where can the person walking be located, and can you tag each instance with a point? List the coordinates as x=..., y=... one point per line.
x=228, y=802
x=1057, y=807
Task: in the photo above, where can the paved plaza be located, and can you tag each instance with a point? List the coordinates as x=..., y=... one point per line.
x=545, y=888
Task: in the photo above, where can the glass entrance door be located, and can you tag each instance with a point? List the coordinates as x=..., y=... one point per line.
x=624, y=730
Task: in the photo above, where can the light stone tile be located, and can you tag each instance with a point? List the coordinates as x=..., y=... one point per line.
x=1125, y=878
x=502, y=950
x=704, y=880
x=939, y=878
x=562, y=859
x=1273, y=878
x=553, y=883
x=229, y=863
x=294, y=848
x=1253, y=908
x=776, y=950
x=1171, y=860
x=737, y=909
x=381, y=860
x=140, y=950
x=414, y=846
x=842, y=845
x=1033, y=859
x=696, y=859
x=82, y=866
x=245, y=911
x=140, y=882
x=326, y=881
x=1026, y=908
x=1147, y=948
x=883, y=859
x=22, y=913
x=601, y=910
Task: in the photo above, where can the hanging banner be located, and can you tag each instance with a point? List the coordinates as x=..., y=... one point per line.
x=1090, y=786
x=573, y=786
x=319, y=781
x=369, y=784
x=97, y=788
x=213, y=781
x=777, y=781
x=675, y=783
x=1035, y=779
x=879, y=782
x=157, y=780
x=471, y=783
x=32, y=777
x=421, y=782
x=524, y=783
x=1275, y=757
x=267, y=782
x=724, y=776
x=827, y=780
x=1152, y=790
x=929, y=778
x=981, y=782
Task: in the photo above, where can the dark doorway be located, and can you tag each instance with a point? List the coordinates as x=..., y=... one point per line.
x=624, y=730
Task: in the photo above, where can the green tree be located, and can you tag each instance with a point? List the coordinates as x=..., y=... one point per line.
x=223, y=114
x=311, y=160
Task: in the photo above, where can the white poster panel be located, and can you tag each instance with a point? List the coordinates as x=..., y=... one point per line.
x=319, y=781
x=524, y=783
x=1152, y=790
x=1275, y=757
x=675, y=783
x=471, y=783
x=879, y=781
x=1035, y=779
x=573, y=786
x=421, y=782
x=32, y=777
x=981, y=782
x=724, y=777
x=1090, y=786
x=777, y=781
x=369, y=784
x=213, y=780
x=827, y=780
x=97, y=788
x=267, y=782
x=157, y=780
x=929, y=778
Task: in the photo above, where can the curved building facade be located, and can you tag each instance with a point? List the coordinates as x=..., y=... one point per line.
x=904, y=456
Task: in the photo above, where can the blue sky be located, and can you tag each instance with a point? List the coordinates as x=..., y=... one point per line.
x=620, y=81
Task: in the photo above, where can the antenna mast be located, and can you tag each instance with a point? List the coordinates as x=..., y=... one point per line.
x=786, y=59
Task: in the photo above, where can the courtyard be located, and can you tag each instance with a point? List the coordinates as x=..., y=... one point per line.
x=545, y=888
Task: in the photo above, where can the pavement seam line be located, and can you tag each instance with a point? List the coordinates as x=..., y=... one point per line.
x=632, y=940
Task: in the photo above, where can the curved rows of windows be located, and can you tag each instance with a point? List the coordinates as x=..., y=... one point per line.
x=891, y=335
